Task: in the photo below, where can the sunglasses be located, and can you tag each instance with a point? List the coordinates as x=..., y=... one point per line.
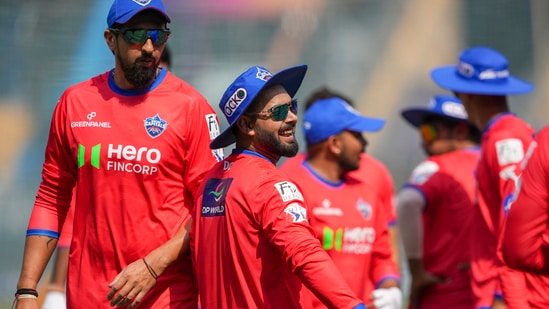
x=140, y=36
x=428, y=132
x=280, y=112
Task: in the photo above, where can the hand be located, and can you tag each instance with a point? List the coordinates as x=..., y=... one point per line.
x=131, y=285
x=55, y=300
x=421, y=281
x=389, y=298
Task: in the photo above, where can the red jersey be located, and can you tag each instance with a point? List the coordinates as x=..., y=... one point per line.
x=504, y=143
x=524, y=243
x=252, y=244
x=374, y=173
x=137, y=160
x=447, y=182
x=349, y=220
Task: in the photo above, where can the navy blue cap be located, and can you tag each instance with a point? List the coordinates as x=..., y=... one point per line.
x=332, y=116
x=480, y=70
x=241, y=93
x=441, y=106
x=123, y=10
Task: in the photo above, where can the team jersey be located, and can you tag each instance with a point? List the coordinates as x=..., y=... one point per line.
x=373, y=173
x=252, y=244
x=137, y=160
x=349, y=220
x=504, y=143
x=524, y=244
x=65, y=235
x=447, y=183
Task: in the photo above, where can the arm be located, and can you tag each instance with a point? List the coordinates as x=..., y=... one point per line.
x=410, y=205
x=525, y=243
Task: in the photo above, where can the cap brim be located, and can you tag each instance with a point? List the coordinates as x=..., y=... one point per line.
x=367, y=124
x=447, y=78
x=290, y=78
x=416, y=116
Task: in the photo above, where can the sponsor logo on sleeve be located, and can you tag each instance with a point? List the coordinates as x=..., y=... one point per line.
x=288, y=191
x=154, y=126
x=213, y=128
x=297, y=212
x=215, y=193
x=509, y=151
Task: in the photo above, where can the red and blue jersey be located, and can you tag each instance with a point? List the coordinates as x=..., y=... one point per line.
x=503, y=146
x=447, y=183
x=137, y=159
x=524, y=244
x=252, y=243
x=350, y=221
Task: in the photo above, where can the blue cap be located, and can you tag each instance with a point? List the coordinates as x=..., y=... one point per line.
x=241, y=93
x=123, y=10
x=332, y=116
x=441, y=106
x=480, y=70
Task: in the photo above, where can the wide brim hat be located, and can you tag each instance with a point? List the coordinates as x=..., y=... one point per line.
x=480, y=70
x=245, y=88
x=440, y=106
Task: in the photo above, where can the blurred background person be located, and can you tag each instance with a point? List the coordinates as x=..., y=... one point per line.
x=349, y=217
x=436, y=206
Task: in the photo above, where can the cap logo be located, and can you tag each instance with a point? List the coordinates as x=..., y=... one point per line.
x=454, y=109
x=262, y=74
x=491, y=74
x=142, y=2
x=465, y=69
x=234, y=101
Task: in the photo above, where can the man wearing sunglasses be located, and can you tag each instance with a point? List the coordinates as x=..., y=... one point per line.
x=435, y=207
x=133, y=142
x=348, y=217
x=251, y=241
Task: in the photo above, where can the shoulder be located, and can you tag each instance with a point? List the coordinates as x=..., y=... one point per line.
x=424, y=171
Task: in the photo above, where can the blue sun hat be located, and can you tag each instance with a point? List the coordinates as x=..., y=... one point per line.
x=332, y=116
x=242, y=92
x=123, y=10
x=480, y=70
x=441, y=106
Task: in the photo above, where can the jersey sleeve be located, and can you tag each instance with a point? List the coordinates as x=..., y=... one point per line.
x=286, y=226
x=58, y=178
x=199, y=157
x=525, y=243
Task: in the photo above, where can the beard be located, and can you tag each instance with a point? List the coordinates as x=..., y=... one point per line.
x=140, y=77
x=272, y=143
x=346, y=162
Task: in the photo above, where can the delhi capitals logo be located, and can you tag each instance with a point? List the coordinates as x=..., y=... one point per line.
x=155, y=126
x=263, y=74
x=142, y=2
x=364, y=208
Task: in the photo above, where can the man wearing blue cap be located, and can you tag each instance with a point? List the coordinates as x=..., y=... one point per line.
x=133, y=143
x=481, y=80
x=436, y=205
x=348, y=216
x=251, y=241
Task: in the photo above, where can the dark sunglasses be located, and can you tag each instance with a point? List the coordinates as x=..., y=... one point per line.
x=280, y=112
x=140, y=36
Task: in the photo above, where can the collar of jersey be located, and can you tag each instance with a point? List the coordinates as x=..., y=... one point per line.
x=237, y=151
x=496, y=119
x=320, y=178
x=125, y=92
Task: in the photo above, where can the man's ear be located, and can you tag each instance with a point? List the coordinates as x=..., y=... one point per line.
x=110, y=40
x=334, y=145
x=245, y=125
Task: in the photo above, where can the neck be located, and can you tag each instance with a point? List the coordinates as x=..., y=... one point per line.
x=326, y=169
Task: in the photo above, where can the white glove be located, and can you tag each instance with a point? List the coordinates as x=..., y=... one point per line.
x=54, y=300
x=390, y=298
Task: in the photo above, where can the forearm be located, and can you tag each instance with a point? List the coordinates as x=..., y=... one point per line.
x=38, y=251
x=165, y=255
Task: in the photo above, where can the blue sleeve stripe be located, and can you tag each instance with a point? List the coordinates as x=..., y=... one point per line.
x=388, y=277
x=39, y=232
